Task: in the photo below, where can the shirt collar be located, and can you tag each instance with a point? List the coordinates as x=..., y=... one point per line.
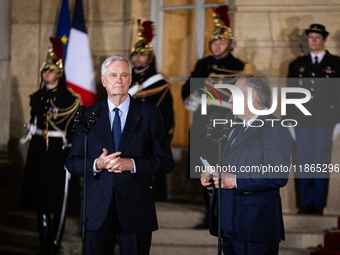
x=253, y=118
x=320, y=56
x=124, y=107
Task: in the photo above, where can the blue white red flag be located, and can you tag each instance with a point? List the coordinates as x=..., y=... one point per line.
x=63, y=29
x=78, y=64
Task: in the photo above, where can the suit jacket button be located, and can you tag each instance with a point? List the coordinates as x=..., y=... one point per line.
x=111, y=187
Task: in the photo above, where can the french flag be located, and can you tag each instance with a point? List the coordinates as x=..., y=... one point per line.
x=78, y=64
x=63, y=28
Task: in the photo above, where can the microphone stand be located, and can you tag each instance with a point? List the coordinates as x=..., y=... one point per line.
x=85, y=220
x=91, y=122
x=219, y=140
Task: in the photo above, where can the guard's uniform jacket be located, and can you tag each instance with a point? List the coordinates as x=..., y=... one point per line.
x=228, y=66
x=52, y=112
x=226, y=69
x=156, y=94
x=324, y=104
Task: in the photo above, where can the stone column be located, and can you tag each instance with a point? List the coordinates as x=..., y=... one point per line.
x=5, y=82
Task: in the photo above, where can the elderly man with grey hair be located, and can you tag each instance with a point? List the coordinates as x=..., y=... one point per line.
x=258, y=155
x=126, y=148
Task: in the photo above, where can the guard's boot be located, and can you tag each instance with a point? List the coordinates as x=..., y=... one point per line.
x=57, y=234
x=44, y=222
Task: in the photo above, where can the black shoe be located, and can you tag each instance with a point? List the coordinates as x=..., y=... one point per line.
x=204, y=224
x=318, y=210
x=306, y=210
x=43, y=251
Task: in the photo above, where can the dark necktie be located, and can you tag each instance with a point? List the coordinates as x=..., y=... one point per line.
x=116, y=128
x=316, y=63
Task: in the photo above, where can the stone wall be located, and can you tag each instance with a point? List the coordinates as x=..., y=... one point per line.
x=267, y=33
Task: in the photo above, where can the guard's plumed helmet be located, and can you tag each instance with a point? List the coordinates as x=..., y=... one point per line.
x=54, y=59
x=222, y=30
x=145, y=34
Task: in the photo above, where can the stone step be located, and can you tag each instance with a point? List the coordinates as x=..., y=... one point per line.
x=176, y=233
x=28, y=221
x=172, y=215
x=18, y=238
x=308, y=223
x=290, y=251
x=302, y=240
x=197, y=250
x=24, y=239
x=202, y=238
x=8, y=250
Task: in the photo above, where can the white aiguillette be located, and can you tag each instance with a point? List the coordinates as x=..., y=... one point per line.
x=153, y=79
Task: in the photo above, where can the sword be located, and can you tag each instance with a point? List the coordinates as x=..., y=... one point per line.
x=63, y=209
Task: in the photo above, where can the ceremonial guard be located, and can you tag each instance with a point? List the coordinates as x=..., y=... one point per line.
x=151, y=87
x=315, y=133
x=222, y=67
x=46, y=180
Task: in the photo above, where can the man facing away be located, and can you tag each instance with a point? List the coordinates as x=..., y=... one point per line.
x=220, y=67
x=251, y=215
x=126, y=148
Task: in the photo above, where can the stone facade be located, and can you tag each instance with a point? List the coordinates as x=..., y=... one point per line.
x=267, y=33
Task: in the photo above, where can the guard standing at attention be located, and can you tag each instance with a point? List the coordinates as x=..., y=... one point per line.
x=150, y=86
x=315, y=133
x=52, y=109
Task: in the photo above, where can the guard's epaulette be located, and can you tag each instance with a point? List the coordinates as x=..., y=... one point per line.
x=30, y=95
x=244, y=62
x=248, y=68
x=74, y=93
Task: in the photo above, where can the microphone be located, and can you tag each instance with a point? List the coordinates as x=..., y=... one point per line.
x=93, y=118
x=77, y=119
x=210, y=128
x=226, y=127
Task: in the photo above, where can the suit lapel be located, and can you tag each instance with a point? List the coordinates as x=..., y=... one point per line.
x=133, y=119
x=250, y=131
x=104, y=123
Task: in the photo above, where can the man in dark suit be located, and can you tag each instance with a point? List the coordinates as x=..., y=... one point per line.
x=221, y=67
x=315, y=134
x=122, y=161
x=251, y=205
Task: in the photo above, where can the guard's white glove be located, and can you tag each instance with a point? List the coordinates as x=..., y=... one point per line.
x=336, y=131
x=32, y=129
x=192, y=102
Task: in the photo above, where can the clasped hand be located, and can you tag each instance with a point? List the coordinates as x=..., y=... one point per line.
x=113, y=163
x=228, y=181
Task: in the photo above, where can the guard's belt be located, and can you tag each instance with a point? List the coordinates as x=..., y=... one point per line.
x=49, y=133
